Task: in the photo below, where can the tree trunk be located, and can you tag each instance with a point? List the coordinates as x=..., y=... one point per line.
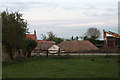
x=12, y=53
x=28, y=54
x=11, y=56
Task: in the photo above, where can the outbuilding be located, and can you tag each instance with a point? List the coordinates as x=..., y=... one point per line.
x=54, y=49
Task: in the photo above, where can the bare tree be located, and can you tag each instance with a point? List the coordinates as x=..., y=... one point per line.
x=92, y=33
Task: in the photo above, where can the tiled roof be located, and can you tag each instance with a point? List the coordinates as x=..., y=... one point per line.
x=32, y=36
x=77, y=46
x=44, y=41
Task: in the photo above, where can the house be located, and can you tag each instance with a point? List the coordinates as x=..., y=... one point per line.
x=42, y=45
x=77, y=46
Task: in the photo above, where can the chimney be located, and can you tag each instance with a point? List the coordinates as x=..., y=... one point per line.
x=34, y=31
x=35, y=34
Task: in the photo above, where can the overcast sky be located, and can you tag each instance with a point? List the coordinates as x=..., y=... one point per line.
x=66, y=18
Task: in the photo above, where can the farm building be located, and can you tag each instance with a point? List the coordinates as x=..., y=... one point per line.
x=54, y=49
x=42, y=45
x=77, y=46
x=113, y=41
x=32, y=36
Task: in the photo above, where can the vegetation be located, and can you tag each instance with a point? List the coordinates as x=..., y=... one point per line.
x=72, y=38
x=64, y=67
x=14, y=40
x=14, y=29
x=92, y=34
x=52, y=37
x=29, y=46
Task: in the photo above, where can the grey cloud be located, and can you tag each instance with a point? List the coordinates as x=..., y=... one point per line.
x=110, y=9
x=107, y=12
x=23, y=6
x=84, y=5
x=14, y=6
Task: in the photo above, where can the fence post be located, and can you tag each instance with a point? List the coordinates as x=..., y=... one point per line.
x=47, y=54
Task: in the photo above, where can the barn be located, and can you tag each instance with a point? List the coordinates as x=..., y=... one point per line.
x=42, y=45
x=77, y=46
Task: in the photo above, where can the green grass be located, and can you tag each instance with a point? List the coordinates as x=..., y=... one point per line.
x=64, y=67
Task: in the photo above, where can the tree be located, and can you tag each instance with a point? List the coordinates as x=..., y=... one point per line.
x=52, y=37
x=58, y=40
x=92, y=33
x=43, y=37
x=29, y=46
x=14, y=29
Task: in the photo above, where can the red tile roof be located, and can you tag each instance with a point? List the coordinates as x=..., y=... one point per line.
x=32, y=36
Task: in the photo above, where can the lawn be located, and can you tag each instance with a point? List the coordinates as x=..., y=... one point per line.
x=64, y=67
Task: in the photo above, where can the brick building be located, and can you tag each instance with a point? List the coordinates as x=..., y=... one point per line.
x=42, y=45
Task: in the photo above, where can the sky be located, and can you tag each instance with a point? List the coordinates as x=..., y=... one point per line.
x=66, y=18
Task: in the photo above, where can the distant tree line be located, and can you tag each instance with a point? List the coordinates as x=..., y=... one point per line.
x=92, y=34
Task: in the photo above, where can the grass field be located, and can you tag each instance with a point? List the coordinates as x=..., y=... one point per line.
x=64, y=67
